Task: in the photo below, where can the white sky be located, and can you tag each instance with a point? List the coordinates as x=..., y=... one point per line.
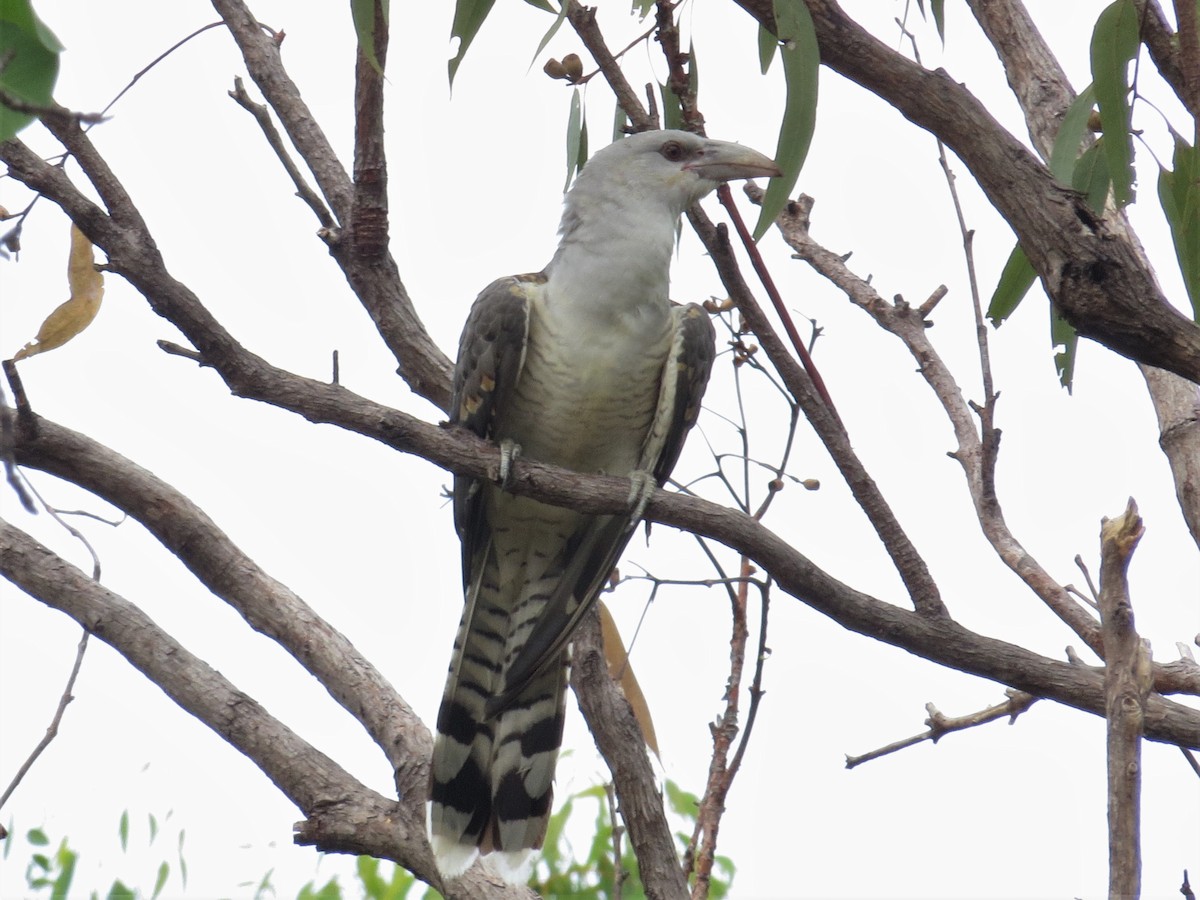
x=364, y=536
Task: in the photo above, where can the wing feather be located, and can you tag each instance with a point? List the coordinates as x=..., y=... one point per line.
x=600, y=543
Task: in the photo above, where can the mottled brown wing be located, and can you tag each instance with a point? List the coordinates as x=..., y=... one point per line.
x=491, y=355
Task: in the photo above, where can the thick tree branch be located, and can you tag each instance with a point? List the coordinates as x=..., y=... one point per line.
x=620, y=741
x=1085, y=260
x=368, y=229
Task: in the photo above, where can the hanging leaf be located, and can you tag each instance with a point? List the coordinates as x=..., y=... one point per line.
x=1179, y=194
x=1063, y=334
x=938, y=9
x=76, y=314
x=767, y=45
x=622, y=672
x=576, y=142
x=1114, y=45
x=29, y=53
x=469, y=16
x=801, y=61
x=551, y=31
x=363, y=13
x=671, y=110
x=1090, y=176
x=1016, y=278
x=1070, y=134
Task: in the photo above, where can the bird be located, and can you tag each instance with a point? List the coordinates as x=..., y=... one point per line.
x=586, y=365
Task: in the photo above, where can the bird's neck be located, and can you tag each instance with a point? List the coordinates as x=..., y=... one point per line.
x=614, y=253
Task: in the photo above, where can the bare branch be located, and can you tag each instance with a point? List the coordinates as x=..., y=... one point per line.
x=941, y=725
x=52, y=728
x=1127, y=681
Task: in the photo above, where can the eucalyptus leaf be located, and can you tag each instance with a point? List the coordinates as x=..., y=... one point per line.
x=801, y=62
x=469, y=16
x=1070, y=135
x=1016, y=278
x=1114, y=45
x=1179, y=194
x=30, y=52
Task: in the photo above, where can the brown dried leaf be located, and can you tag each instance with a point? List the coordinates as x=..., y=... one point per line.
x=620, y=670
x=77, y=313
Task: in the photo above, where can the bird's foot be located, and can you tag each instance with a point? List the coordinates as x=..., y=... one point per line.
x=642, y=486
x=510, y=451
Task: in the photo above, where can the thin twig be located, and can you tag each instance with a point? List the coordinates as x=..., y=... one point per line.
x=941, y=725
x=52, y=728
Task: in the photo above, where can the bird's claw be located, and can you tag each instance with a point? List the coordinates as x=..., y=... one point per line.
x=510, y=451
x=642, y=486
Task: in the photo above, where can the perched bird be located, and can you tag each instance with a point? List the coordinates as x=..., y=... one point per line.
x=588, y=365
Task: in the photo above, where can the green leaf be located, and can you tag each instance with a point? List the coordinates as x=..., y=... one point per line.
x=576, y=137
x=801, y=60
x=363, y=12
x=1016, y=278
x=66, y=858
x=123, y=830
x=1114, y=44
x=153, y=826
x=1091, y=177
x=767, y=45
x=551, y=31
x=1070, y=135
x=544, y=5
x=182, y=861
x=30, y=53
x=672, y=112
x=620, y=120
x=469, y=15
x=119, y=891
x=1063, y=335
x=37, y=837
x=160, y=881
x=1179, y=194
x=938, y=9
x=643, y=7
x=682, y=802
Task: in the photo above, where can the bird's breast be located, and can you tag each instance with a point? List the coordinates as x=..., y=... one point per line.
x=589, y=390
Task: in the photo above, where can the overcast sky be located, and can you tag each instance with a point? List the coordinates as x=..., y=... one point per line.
x=364, y=536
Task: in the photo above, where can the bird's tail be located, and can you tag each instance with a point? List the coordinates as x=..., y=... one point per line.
x=491, y=783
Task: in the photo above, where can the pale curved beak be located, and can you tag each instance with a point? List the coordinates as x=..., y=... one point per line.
x=725, y=161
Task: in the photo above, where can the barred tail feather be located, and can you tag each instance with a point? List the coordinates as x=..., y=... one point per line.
x=491, y=782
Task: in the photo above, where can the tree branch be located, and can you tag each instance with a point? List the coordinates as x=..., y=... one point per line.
x=1126, y=684
x=619, y=739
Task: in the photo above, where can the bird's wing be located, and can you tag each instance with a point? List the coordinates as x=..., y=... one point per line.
x=596, y=548
x=491, y=355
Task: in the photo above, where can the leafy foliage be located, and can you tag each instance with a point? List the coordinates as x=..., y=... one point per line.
x=52, y=875
x=1114, y=45
x=561, y=872
x=30, y=52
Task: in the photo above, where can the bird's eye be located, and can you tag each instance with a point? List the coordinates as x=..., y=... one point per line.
x=673, y=151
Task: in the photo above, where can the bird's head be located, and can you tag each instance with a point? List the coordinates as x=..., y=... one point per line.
x=676, y=167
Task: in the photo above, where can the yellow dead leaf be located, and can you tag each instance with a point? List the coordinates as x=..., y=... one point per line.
x=87, y=289
x=622, y=672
